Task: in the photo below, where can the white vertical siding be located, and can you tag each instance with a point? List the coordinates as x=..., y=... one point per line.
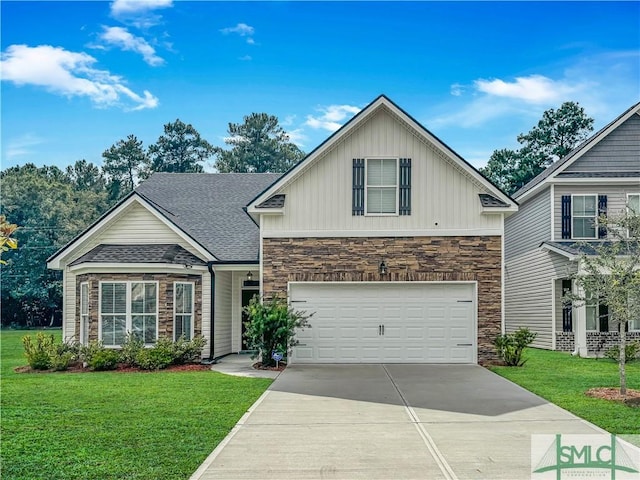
x=443, y=196
x=222, y=340
x=616, y=199
x=69, y=306
x=236, y=310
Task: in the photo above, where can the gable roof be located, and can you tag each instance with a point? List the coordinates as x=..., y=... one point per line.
x=381, y=102
x=557, y=167
x=206, y=209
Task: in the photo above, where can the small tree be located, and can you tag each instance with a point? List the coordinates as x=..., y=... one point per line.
x=610, y=271
x=271, y=327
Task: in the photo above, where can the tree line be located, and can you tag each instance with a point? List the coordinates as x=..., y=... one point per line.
x=51, y=206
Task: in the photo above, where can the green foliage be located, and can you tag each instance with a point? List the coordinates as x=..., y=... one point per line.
x=258, y=145
x=7, y=241
x=555, y=135
x=511, y=346
x=180, y=150
x=271, y=327
x=103, y=360
x=631, y=352
x=45, y=353
x=130, y=350
x=188, y=351
x=123, y=164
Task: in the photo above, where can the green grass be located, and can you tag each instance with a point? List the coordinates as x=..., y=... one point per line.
x=108, y=425
x=563, y=379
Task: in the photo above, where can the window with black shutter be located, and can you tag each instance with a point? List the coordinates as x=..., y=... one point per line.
x=602, y=212
x=404, y=192
x=566, y=216
x=358, y=187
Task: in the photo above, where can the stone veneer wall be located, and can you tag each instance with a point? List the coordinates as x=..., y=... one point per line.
x=165, y=299
x=356, y=259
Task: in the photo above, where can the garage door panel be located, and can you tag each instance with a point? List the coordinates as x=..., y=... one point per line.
x=423, y=323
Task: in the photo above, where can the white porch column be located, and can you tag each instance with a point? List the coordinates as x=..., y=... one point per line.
x=580, y=324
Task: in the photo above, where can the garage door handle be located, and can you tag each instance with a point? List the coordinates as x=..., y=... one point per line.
x=382, y=329
x=465, y=301
x=465, y=344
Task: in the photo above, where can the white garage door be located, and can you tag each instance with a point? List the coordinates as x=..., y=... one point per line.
x=386, y=322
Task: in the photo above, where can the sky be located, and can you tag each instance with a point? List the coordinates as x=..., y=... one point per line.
x=78, y=77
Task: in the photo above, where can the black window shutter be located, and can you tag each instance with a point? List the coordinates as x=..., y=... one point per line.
x=566, y=216
x=603, y=316
x=358, y=187
x=602, y=212
x=567, y=310
x=404, y=192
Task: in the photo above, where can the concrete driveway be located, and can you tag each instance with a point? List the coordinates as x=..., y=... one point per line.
x=388, y=422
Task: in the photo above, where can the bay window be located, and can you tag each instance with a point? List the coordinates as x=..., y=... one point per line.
x=128, y=307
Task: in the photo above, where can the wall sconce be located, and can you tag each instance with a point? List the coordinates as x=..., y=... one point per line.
x=382, y=268
x=249, y=276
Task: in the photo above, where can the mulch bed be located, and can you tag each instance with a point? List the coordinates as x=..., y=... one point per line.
x=279, y=368
x=613, y=394
x=122, y=368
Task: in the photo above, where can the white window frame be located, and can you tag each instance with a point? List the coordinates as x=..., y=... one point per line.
x=629, y=195
x=84, y=317
x=193, y=308
x=595, y=217
x=366, y=187
x=128, y=313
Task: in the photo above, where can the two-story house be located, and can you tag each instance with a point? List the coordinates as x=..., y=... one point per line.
x=389, y=237
x=559, y=211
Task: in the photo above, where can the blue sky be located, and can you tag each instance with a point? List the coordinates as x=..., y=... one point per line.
x=79, y=76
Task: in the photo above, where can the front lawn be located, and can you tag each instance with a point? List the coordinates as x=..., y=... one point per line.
x=563, y=379
x=108, y=425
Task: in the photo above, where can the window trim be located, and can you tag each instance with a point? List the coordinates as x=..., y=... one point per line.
x=629, y=195
x=193, y=308
x=82, y=315
x=396, y=186
x=128, y=314
x=595, y=217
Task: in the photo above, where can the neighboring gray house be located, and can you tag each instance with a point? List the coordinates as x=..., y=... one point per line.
x=558, y=208
x=390, y=237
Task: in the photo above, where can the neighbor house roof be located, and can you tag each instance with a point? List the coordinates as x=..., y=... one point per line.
x=209, y=207
x=148, y=253
x=557, y=167
x=572, y=249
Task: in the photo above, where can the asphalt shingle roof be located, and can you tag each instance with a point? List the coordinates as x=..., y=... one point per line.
x=275, y=201
x=490, y=201
x=148, y=253
x=210, y=208
x=573, y=247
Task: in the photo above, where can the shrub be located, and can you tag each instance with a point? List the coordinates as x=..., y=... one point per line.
x=631, y=352
x=130, y=349
x=104, y=359
x=188, y=351
x=154, y=358
x=87, y=352
x=272, y=326
x=39, y=353
x=511, y=346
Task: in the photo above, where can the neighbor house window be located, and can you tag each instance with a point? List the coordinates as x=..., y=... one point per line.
x=128, y=307
x=633, y=208
x=382, y=186
x=584, y=216
x=597, y=314
x=183, y=310
x=84, y=313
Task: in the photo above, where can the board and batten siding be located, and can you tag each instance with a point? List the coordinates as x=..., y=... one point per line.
x=616, y=199
x=206, y=313
x=223, y=314
x=69, y=306
x=135, y=225
x=617, y=152
x=526, y=229
x=443, y=197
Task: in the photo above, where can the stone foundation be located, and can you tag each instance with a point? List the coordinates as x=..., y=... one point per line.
x=597, y=342
x=165, y=299
x=356, y=259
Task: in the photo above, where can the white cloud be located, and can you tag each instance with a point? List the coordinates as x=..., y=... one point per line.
x=245, y=58
x=125, y=7
x=297, y=137
x=241, y=29
x=22, y=145
x=122, y=38
x=533, y=89
x=456, y=89
x=331, y=116
x=70, y=74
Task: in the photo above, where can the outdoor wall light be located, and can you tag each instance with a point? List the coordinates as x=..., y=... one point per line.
x=249, y=276
x=382, y=268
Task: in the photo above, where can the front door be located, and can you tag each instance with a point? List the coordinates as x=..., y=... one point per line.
x=247, y=295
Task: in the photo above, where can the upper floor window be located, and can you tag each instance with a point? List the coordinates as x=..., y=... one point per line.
x=382, y=186
x=584, y=216
x=633, y=207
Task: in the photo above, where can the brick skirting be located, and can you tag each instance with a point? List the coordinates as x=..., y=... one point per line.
x=356, y=259
x=597, y=342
